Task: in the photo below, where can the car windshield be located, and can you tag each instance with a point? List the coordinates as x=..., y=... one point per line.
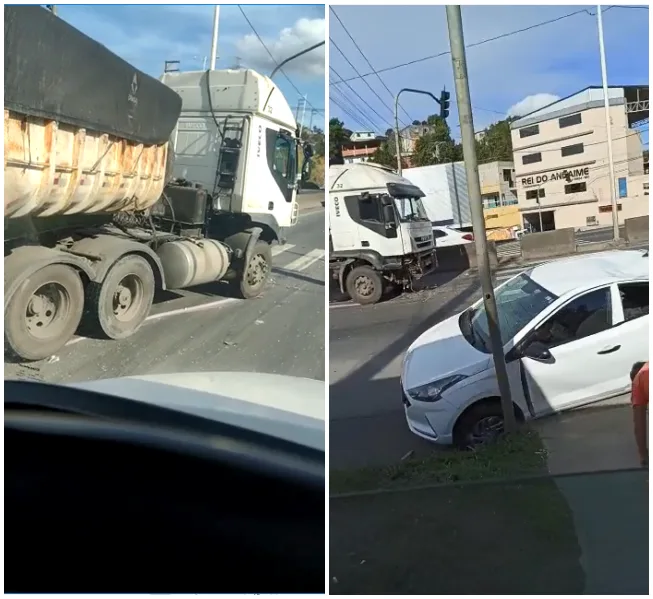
x=410, y=209
x=518, y=301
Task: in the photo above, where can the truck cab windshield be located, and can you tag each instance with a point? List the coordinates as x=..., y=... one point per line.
x=410, y=209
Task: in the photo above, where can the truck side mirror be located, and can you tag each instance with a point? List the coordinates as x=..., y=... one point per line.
x=389, y=217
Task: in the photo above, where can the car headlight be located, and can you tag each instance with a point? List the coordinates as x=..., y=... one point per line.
x=433, y=391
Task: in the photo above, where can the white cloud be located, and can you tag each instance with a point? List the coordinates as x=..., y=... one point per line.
x=531, y=103
x=303, y=34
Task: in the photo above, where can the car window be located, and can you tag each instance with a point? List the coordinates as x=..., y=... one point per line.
x=438, y=233
x=586, y=315
x=634, y=299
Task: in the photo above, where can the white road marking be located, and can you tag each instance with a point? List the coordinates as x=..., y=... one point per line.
x=280, y=249
x=304, y=262
x=187, y=310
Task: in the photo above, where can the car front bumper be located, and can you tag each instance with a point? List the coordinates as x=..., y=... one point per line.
x=432, y=421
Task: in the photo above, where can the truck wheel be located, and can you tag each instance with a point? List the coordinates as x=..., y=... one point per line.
x=119, y=305
x=255, y=275
x=364, y=285
x=44, y=313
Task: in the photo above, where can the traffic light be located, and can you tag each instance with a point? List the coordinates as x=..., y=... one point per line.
x=444, y=103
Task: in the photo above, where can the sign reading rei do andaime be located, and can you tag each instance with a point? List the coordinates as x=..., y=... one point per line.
x=568, y=175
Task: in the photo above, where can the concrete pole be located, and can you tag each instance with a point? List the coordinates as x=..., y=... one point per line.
x=397, y=138
x=214, y=39
x=301, y=122
x=608, y=127
x=457, y=42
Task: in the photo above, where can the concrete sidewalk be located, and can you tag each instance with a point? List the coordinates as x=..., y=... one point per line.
x=609, y=501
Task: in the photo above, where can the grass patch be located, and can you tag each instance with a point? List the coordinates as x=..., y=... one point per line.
x=513, y=456
x=515, y=538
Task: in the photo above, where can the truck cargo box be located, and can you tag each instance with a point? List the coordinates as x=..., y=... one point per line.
x=53, y=71
x=85, y=132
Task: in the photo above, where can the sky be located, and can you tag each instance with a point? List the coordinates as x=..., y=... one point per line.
x=147, y=36
x=510, y=76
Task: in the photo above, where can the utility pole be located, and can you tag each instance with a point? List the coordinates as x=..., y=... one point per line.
x=457, y=42
x=608, y=126
x=214, y=38
x=301, y=122
x=299, y=105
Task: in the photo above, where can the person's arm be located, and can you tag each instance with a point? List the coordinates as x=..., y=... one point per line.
x=640, y=413
x=640, y=426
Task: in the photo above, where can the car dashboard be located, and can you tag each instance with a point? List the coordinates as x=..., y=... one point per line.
x=110, y=496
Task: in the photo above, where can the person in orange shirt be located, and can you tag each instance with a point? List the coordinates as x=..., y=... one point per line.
x=639, y=398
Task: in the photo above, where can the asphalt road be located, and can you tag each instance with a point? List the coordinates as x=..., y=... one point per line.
x=199, y=330
x=366, y=347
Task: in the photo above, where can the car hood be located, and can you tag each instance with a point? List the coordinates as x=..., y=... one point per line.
x=286, y=407
x=439, y=352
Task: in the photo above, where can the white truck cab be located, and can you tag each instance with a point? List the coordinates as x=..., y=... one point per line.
x=237, y=137
x=379, y=233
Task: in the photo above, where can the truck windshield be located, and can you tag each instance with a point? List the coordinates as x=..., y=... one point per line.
x=410, y=209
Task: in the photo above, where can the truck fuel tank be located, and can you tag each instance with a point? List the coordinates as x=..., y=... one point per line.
x=190, y=262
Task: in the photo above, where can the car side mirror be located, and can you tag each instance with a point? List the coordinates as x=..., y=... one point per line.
x=536, y=350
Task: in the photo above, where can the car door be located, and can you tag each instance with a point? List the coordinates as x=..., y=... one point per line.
x=585, y=360
x=632, y=317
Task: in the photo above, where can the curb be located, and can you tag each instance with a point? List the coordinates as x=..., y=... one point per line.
x=471, y=483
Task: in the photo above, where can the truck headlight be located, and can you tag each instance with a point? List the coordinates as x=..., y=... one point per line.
x=433, y=391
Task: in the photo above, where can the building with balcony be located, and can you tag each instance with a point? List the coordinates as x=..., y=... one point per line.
x=561, y=160
x=361, y=146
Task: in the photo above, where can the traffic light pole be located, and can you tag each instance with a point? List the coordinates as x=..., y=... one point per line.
x=397, y=139
x=457, y=42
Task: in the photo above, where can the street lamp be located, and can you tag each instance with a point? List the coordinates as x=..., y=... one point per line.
x=397, y=140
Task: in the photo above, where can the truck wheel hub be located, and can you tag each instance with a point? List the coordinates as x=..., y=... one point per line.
x=364, y=286
x=48, y=305
x=127, y=297
x=257, y=270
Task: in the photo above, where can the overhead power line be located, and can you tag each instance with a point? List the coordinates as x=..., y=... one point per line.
x=366, y=59
x=383, y=119
x=274, y=60
x=346, y=110
x=362, y=117
x=360, y=77
x=475, y=44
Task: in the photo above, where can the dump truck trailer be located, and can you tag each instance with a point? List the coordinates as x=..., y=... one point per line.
x=118, y=184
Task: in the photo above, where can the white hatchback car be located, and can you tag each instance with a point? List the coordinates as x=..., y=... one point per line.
x=572, y=330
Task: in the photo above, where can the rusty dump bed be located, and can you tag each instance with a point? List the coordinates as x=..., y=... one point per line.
x=85, y=132
x=55, y=169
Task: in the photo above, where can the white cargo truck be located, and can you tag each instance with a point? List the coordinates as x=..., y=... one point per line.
x=379, y=233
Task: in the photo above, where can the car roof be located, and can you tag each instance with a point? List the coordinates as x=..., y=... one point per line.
x=591, y=270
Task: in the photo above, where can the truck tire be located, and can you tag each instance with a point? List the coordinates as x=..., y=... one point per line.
x=364, y=285
x=117, y=307
x=251, y=281
x=44, y=313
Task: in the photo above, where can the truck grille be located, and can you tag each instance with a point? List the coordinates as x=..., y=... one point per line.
x=423, y=242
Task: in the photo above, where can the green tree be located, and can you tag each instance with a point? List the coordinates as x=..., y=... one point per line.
x=496, y=144
x=437, y=146
x=385, y=156
x=337, y=136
